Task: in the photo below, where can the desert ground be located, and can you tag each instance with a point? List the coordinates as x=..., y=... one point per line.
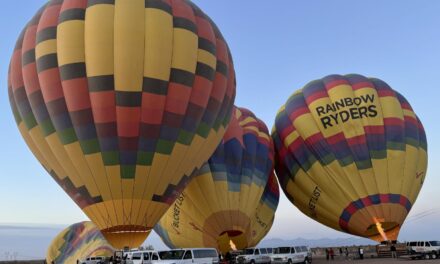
x=315, y=261
x=376, y=261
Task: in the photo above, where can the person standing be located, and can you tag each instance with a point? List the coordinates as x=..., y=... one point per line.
x=361, y=253
x=346, y=253
x=393, y=251
x=332, y=254
x=327, y=254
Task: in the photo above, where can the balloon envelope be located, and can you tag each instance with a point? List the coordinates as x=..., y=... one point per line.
x=351, y=154
x=120, y=101
x=233, y=197
x=78, y=242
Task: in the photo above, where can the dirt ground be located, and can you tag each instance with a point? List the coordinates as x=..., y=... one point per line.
x=22, y=262
x=376, y=261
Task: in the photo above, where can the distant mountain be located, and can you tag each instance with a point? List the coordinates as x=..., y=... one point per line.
x=24, y=242
x=323, y=242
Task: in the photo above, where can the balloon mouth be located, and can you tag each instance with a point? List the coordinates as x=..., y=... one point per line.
x=232, y=233
x=231, y=240
x=126, y=229
x=126, y=236
x=383, y=231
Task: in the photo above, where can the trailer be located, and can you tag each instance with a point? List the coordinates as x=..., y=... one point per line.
x=418, y=256
x=384, y=249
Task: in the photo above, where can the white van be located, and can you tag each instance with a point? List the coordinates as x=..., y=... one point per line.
x=189, y=255
x=151, y=257
x=95, y=260
x=291, y=255
x=142, y=256
x=431, y=249
x=254, y=256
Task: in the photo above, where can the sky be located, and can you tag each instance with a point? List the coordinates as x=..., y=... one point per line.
x=278, y=46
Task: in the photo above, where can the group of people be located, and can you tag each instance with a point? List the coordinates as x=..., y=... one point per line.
x=330, y=253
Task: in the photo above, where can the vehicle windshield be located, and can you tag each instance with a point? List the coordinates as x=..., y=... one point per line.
x=282, y=250
x=171, y=254
x=248, y=251
x=435, y=243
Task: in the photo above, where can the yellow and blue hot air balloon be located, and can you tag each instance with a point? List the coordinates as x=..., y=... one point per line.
x=78, y=242
x=120, y=100
x=351, y=154
x=232, y=199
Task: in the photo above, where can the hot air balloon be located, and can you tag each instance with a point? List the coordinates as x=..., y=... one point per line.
x=231, y=200
x=351, y=154
x=78, y=242
x=120, y=100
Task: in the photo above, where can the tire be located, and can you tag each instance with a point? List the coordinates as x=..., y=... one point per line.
x=306, y=261
x=434, y=255
x=252, y=261
x=427, y=256
x=289, y=261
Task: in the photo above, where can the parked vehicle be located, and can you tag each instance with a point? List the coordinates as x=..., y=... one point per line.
x=95, y=260
x=142, y=256
x=291, y=255
x=269, y=251
x=425, y=249
x=254, y=256
x=189, y=255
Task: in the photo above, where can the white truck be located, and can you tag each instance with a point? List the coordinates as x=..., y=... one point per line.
x=254, y=256
x=289, y=255
x=424, y=249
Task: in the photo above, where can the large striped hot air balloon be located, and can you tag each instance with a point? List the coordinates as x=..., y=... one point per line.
x=232, y=199
x=78, y=242
x=120, y=100
x=351, y=154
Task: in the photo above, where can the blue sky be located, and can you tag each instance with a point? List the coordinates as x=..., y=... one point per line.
x=278, y=46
